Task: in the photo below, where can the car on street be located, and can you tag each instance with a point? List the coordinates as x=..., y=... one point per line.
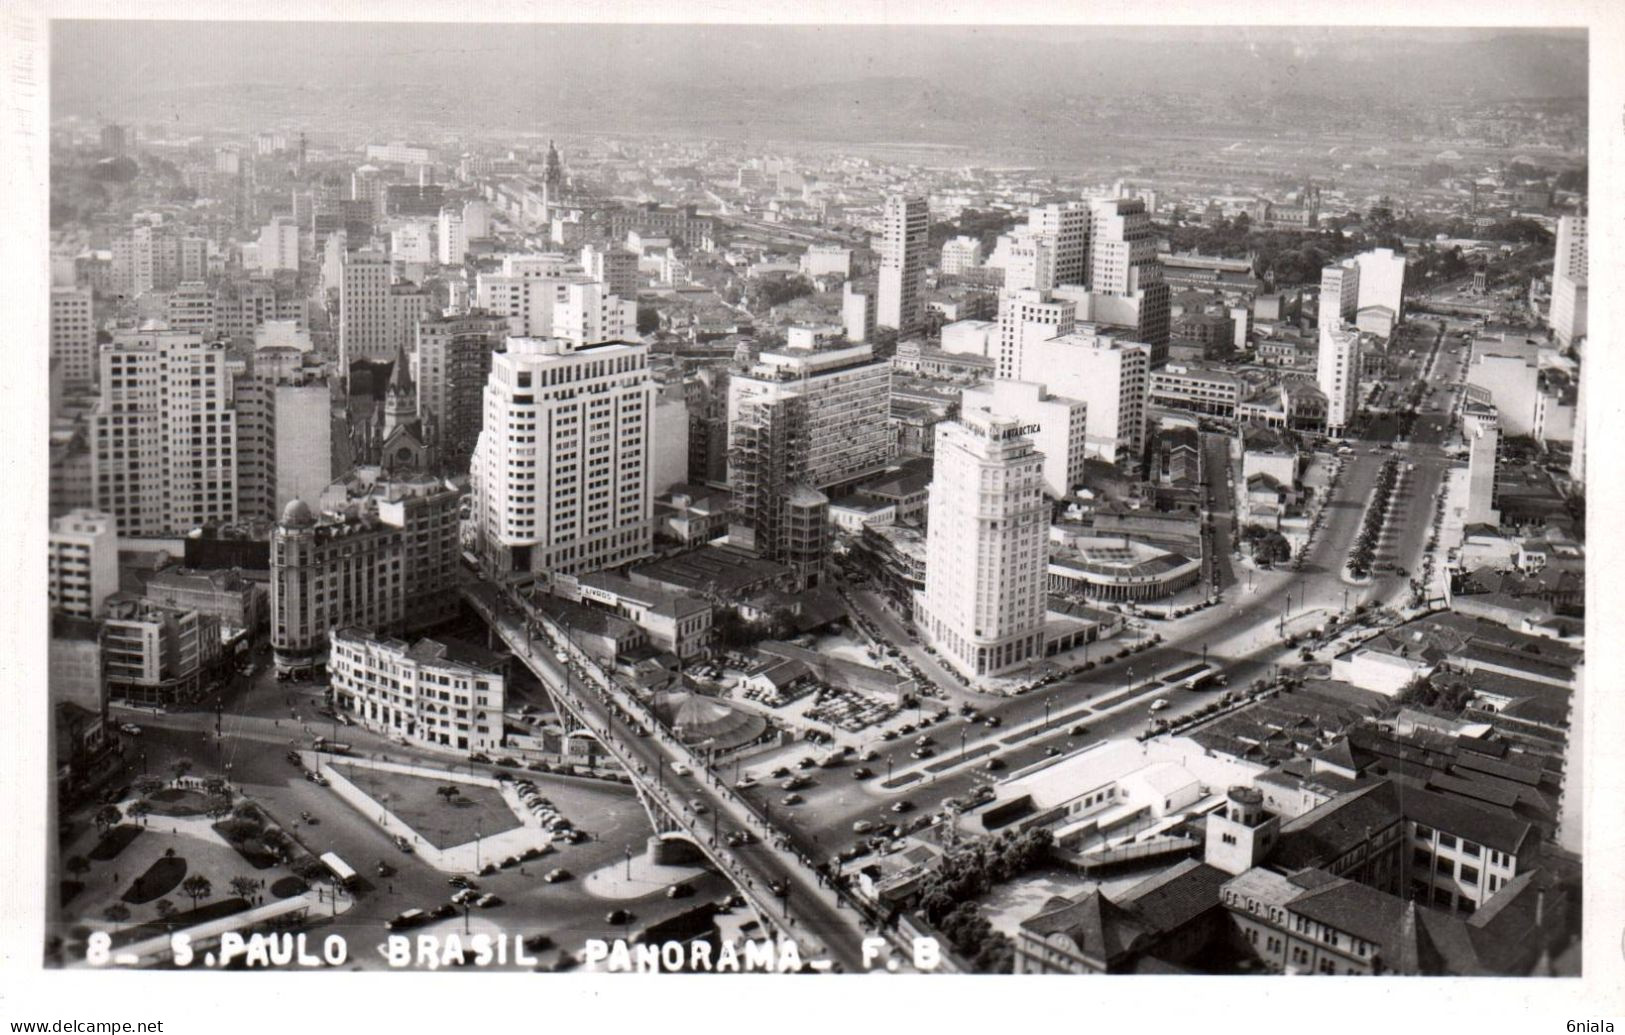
x=294, y=759
x=925, y=741
x=462, y=895
x=457, y=880
x=862, y=772
x=403, y=844
x=680, y=769
x=993, y=721
x=1160, y=704
x=556, y=875
x=618, y=916
x=906, y=729
x=863, y=826
x=781, y=772
x=679, y=890
x=902, y=806
x=807, y=763
x=1052, y=751
x=442, y=911
x=889, y=735
x=995, y=764
x=487, y=900
x=744, y=782
x=1080, y=730
x=698, y=806
x=796, y=782
x=316, y=778
x=409, y=918
x=921, y=753
x=870, y=756
x=791, y=799
x=130, y=729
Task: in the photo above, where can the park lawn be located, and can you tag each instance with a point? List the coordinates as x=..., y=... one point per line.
x=113, y=842
x=173, y=801
x=162, y=877
x=414, y=801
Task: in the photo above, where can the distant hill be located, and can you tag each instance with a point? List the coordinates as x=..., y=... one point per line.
x=903, y=82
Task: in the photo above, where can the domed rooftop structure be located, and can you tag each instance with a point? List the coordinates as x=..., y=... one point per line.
x=297, y=514
x=708, y=722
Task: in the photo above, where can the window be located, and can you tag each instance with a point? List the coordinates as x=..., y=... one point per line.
x=1469, y=874
x=1447, y=841
x=1469, y=848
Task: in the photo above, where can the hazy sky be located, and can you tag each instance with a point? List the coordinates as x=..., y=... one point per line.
x=108, y=68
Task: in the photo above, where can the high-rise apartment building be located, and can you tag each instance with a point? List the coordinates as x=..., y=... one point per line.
x=615, y=268
x=364, y=309
x=452, y=363
x=561, y=470
x=588, y=315
x=1381, y=280
x=858, y=310
x=191, y=308
x=1125, y=278
x=904, y=234
x=1338, y=373
x=1570, y=276
x=1110, y=376
x=476, y=220
x=1027, y=316
x=83, y=564
x=387, y=561
x=73, y=334
x=163, y=436
x=279, y=245
x=527, y=290
x=1339, y=293
x=253, y=397
x=1065, y=227
x=452, y=244
x=986, y=557
x=960, y=254
x=156, y=655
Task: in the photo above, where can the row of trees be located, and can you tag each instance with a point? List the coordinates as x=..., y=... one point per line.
x=1364, y=553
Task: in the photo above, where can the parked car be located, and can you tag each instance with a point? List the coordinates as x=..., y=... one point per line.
x=889, y=735
x=699, y=807
x=680, y=769
x=921, y=753
x=744, y=782
x=791, y=799
x=1080, y=730
x=1160, y=704
x=130, y=728
x=457, y=880
x=781, y=772
x=618, y=916
x=409, y=918
x=862, y=772
x=487, y=900
x=463, y=895
x=316, y=778
x=679, y=890
x=870, y=756
x=403, y=844
x=556, y=875
x=863, y=826
x=442, y=911
x=902, y=806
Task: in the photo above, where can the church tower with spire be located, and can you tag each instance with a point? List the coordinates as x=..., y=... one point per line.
x=401, y=432
x=552, y=179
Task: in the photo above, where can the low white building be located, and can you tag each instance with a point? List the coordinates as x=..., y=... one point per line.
x=1380, y=671
x=429, y=694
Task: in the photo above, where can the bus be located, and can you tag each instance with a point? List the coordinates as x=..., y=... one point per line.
x=340, y=869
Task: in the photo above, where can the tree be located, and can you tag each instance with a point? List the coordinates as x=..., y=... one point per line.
x=648, y=319
x=244, y=887
x=166, y=908
x=218, y=807
x=197, y=887
x=448, y=792
x=181, y=767
x=141, y=809
x=247, y=812
x=107, y=817
x=77, y=865
x=117, y=913
x=147, y=786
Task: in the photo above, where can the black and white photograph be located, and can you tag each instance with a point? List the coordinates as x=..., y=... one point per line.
x=928, y=498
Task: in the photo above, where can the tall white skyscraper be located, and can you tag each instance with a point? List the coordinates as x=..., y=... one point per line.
x=164, y=435
x=1339, y=293
x=1027, y=316
x=1064, y=227
x=1057, y=425
x=451, y=241
x=986, y=557
x=902, y=264
x=1338, y=373
x=1381, y=280
x=364, y=308
x=1110, y=376
x=1569, y=281
x=279, y=245
x=561, y=473
x=1125, y=277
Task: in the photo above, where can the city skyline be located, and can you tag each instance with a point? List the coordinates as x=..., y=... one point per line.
x=997, y=500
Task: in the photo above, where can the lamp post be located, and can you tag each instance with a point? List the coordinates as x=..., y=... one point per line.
x=628, y=862
x=1046, y=709
x=962, y=745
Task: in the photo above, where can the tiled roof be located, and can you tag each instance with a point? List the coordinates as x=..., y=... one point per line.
x=1176, y=896
x=1493, y=828
x=1323, y=834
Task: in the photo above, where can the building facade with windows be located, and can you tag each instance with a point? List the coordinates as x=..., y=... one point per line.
x=561, y=473
x=905, y=230
x=83, y=563
x=430, y=693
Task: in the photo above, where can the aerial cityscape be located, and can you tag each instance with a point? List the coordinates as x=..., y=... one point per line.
x=730, y=499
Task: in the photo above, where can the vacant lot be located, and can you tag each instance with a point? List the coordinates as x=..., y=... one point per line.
x=476, y=811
